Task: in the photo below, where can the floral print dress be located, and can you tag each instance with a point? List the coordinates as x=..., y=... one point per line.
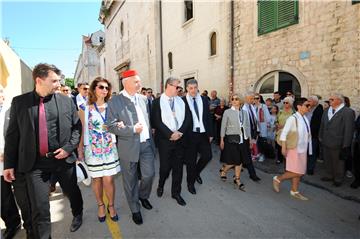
x=101, y=155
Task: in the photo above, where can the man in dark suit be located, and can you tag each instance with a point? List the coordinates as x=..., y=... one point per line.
x=199, y=136
x=171, y=118
x=336, y=134
x=314, y=117
x=44, y=129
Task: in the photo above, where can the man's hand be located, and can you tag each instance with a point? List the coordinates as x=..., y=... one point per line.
x=120, y=124
x=61, y=154
x=138, y=128
x=176, y=136
x=210, y=139
x=9, y=175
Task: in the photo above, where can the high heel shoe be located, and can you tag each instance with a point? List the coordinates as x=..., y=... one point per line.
x=222, y=175
x=113, y=218
x=239, y=185
x=103, y=218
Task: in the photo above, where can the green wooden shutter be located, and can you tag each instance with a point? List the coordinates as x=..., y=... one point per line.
x=287, y=13
x=266, y=16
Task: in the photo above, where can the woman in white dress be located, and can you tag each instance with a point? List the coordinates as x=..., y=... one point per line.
x=98, y=147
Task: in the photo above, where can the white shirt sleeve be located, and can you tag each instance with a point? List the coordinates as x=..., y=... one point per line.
x=289, y=125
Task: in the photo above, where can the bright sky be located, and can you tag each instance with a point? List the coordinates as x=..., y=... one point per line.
x=49, y=31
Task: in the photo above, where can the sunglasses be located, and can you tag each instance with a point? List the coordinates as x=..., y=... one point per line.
x=149, y=92
x=86, y=88
x=286, y=102
x=256, y=98
x=235, y=98
x=101, y=87
x=65, y=90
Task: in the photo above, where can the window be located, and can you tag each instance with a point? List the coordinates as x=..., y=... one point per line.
x=188, y=10
x=101, y=39
x=355, y=1
x=276, y=14
x=170, y=61
x=121, y=29
x=213, y=44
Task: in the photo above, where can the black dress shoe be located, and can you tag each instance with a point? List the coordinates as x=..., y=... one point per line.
x=159, y=192
x=255, y=178
x=145, y=203
x=191, y=189
x=76, y=223
x=11, y=232
x=137, y=218
x=199, y=180
x=355, y=184
x=179, y=200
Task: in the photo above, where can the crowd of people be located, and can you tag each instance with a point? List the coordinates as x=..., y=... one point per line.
x=47, y=132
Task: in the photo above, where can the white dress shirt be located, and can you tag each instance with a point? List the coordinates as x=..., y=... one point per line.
x=330, y=111
x=197, y=123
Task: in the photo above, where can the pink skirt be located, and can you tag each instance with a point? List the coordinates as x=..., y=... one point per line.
x=296, y=162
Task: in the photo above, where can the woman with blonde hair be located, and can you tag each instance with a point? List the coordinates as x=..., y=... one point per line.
x=98, y=147
x=234, y=133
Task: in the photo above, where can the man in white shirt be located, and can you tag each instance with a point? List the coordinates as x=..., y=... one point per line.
x=129, y=120
x=199, y=136
x=171, y=118
x=81, y=98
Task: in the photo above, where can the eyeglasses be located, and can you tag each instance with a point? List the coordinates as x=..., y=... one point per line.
x=235, y=98
x=65, y=90
x=149, y=92
x=256, y=98
x=286, y=103
x=101, y=87
x=85, y=88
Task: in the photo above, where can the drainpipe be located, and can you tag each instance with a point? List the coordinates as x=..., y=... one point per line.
x=161, y=49
x=231, y=47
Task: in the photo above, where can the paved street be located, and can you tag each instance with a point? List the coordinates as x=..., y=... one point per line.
x=218, y=211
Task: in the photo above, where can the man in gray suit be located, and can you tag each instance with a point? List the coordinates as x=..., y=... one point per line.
x=336, y=133
x=129, y=120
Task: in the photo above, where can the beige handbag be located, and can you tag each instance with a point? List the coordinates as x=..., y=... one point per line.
x=291, y=138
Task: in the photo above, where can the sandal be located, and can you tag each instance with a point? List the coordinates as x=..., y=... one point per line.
x=113, y=218
x=223, y=175
x=276, y=184
x=240, y=185
x=101, y=218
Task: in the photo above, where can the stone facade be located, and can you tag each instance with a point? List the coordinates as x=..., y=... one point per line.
x=189, y=43
x=322, y=51
x=88, y=65
x=132, y=40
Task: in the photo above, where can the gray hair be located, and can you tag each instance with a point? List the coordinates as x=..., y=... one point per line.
x=289, y=99
x=339, y=96
x=249, y=93
x=191, y=82
x=171, y=80
x=314, y=98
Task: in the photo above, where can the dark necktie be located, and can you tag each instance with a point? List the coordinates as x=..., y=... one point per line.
x=196, y=108
x=252, y=118
x=333, y=111
x=43, y=131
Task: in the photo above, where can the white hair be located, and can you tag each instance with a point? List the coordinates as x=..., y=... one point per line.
x=339, y=96
x=314, y=98
x=289, y=99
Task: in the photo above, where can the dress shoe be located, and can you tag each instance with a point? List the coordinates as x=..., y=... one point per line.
x=11, y=232
x=179, y=200
x=355, y=184
x=326, y=179
x=76, y=223
x=145, y=203
x=199, y=180
x=137, y=218
x=255, y=178
x=191, y=189
x=159, y=192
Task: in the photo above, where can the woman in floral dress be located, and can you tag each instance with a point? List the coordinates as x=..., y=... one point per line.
x=98, y=147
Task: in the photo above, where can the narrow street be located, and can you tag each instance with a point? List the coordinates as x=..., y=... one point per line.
x=218, y=210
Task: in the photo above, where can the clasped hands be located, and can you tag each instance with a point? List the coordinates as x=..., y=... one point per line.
x=176, y=136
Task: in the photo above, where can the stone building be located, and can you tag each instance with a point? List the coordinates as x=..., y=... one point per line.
x=88, y=64
x=132, y=40
x=310, y=47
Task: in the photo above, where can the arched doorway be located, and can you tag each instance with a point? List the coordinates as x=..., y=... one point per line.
x=278, y=81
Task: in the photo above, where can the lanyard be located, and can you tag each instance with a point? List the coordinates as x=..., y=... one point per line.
x=97, y=109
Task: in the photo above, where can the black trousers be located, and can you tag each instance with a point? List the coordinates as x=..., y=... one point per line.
x=9, y=210
x=249, y=164
x=356, y=161
x=199, y=144
x=38, y=182
x=171, y=159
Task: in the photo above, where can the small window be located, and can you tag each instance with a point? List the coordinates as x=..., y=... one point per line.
x=213, y=44
x=355, y=1
x=121, y=29
x=276, y=14
x=101, y=39
x=188, y=10
x=170, y=60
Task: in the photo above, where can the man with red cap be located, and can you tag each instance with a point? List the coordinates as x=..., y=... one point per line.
x=128, y=118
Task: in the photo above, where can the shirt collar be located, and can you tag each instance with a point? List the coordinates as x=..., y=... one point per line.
x=46, y=98
x=127, y=95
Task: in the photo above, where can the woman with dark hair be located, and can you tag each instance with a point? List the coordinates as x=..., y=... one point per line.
x=98, y=147
x=295, y=139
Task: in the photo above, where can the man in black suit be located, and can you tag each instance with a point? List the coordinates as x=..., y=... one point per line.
x=314, y=117
x=171, y=118
x=199, y=136
x=44, y=129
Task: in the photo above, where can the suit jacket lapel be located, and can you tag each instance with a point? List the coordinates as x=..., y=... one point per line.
x=32, y=108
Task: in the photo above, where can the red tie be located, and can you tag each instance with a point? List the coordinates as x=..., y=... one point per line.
x=43, y=132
